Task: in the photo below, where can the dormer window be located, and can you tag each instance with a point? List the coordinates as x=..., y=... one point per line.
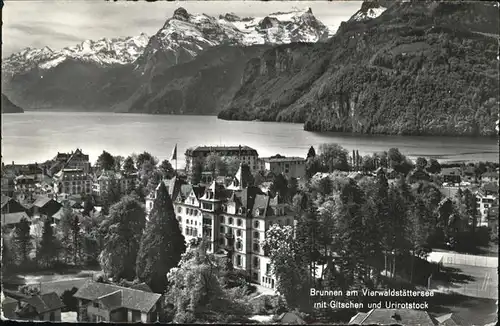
x=257, y=213
x=240, y=210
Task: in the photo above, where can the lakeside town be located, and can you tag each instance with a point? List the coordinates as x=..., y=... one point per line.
x=234, y=237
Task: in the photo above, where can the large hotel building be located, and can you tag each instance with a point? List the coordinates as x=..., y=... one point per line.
x=234, y=219
x=245, y=154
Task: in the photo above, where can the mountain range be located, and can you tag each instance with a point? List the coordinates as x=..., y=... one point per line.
x=420, y=67
x=395, y=67
x=116, y=73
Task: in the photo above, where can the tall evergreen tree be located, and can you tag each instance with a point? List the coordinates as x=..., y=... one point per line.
x=106, y=161
x=123, y=228
x=128, y=165
x=162, y=243
x=166, y=170
x=280, y=185
x=311, y=153
x=8, y=257
x=49, y=248
x=75, y=232
x=196, y=171
x=22, y=240
x=246, y=175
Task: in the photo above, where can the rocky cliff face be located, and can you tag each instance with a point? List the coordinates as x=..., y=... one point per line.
x=417, y=68
x=202, y=86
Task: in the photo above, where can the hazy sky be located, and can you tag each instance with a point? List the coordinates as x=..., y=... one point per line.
x=58, y=23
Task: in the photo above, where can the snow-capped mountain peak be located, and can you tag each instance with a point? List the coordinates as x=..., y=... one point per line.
x=369, y=10
x=186, y=34
x=103, y=51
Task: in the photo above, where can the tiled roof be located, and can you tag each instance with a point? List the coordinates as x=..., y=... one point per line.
x=289, y=318
x=356, y=320
x=490, y=175
x=45, y=302
x=448, y=320
x=262, y=204
x=220, y=148
x=450, y=171
x=283, y=159
x=397, y=316
x=14, y=218
x=41, y=201
x=491, y=187
x=112, y=300
x=5, y=200
x=131, y=298
x=142, y=287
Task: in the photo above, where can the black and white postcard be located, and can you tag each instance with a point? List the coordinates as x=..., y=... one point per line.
x=250, y=162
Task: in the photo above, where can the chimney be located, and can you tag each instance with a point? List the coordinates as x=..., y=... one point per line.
x=12, y=163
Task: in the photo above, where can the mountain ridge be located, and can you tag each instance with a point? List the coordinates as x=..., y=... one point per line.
x=415, y=69
x=58, y=81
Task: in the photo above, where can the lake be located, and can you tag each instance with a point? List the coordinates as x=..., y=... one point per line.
x=38, y=136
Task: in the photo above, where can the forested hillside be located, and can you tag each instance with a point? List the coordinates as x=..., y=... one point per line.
x=9, y=107
x=419, y=68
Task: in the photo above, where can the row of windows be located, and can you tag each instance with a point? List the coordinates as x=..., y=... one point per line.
x=230, y=221
x=207, y=206
x=67, y=183
x=191, y=231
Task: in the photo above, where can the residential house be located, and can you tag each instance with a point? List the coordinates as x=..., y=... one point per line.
x=406, y=317
x=390, y=173
x=45, y=207
x=10, y=205
x=449, y=320
x=8, y=181
x=490, y=177
x=46, y=307
x=451, y=175
x=12, y=212
x=98, y=302
x=73, y=182
x=485, y=200
x=490, y=188
x=493, y=219
x=245, y=154
x=291, y=167
x=75, y=160
x=469, y=174
x=24, y=183
x=114, y=181
x=419, y=174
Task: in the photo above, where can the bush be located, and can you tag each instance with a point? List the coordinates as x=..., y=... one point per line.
x=29, y=289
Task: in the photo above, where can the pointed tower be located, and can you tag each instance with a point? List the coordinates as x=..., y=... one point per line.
x=237, y=184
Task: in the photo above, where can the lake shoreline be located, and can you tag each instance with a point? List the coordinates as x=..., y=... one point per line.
x=492, y=136
x=37, y=136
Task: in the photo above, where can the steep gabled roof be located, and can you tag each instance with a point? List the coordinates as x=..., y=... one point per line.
x=130, y=298
x=45, y=302
x=396, y=316
x=262, y=204
x=41, y=201
x=14, y=218
x=5, y=200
